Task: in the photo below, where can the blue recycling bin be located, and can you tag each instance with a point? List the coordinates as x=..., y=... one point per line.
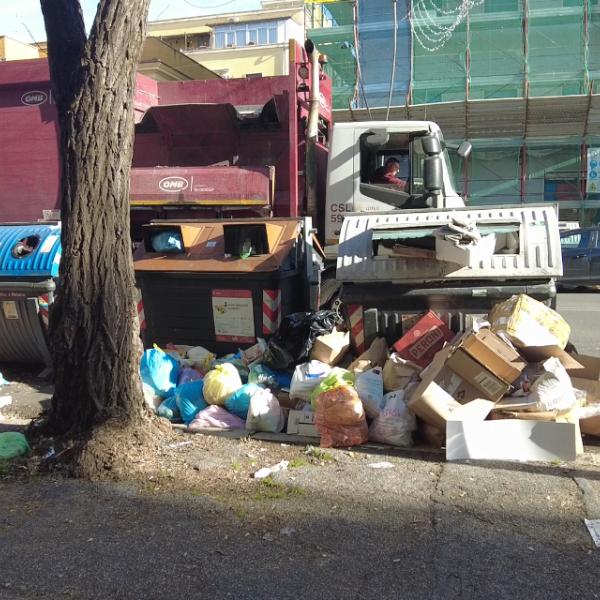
x=29, y=261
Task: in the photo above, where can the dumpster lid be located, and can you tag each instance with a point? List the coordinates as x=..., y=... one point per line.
x=209, y=246
x=526, y=246
x=31, y=250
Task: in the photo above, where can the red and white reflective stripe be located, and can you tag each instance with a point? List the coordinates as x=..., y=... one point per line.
x=357, y=326
x=271, y=311
x=44, y=309
x=140, y=309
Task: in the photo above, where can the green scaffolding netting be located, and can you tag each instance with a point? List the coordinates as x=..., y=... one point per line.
x=330, y=25
x=502, y=48
x=499, y=49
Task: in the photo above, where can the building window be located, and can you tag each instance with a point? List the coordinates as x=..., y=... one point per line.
x=249, y=34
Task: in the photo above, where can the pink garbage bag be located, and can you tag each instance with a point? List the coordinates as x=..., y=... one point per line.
x=216, y=417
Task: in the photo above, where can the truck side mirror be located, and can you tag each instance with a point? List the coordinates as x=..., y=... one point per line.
x=431, y=144
x=464, y=150
x=433, y=177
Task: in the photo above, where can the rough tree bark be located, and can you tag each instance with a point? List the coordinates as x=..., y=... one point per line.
x=93, y=332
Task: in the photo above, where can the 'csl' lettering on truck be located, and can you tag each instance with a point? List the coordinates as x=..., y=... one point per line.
x=424, y=344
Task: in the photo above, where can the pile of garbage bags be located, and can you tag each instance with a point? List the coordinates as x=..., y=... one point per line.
x=305, y=380
x=190, y=385
x=292, y=380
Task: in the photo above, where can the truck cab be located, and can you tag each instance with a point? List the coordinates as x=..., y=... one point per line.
x=359, y=150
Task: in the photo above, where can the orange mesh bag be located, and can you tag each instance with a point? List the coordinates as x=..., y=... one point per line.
x=340, y=418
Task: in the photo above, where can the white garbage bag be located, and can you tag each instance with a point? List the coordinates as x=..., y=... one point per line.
x=395, y=423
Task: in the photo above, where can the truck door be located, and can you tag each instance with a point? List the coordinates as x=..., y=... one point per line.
x=576, y=255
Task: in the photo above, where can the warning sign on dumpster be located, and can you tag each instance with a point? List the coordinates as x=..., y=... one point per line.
x=233, y=315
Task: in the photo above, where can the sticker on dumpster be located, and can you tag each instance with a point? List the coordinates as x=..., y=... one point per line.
x=233, y=316
x=48, y=244
x=10, y=311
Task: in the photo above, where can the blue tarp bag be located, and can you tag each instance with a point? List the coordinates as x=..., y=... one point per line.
x=168, y=409
x=239, y=402
x=190, y=400
x=160, y=371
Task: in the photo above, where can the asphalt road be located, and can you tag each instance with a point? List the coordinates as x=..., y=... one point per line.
x=582, y=312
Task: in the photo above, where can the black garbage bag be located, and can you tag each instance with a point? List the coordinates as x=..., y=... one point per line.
x=295, y=337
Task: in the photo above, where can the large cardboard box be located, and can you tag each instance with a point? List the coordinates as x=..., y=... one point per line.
x=422, y=341
x=528, y=322
x=495, y=354
x=487, y=384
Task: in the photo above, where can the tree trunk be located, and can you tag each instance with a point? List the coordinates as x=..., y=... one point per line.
x=94, y=330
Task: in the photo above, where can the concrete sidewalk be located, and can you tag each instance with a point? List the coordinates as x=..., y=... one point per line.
x=328, y=527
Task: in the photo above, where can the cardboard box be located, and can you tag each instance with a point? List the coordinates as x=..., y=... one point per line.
x=589, y=367
x=587, y=378
x=423, y=340
x=301, y=422
x=285, y=401
x=543, y=353
x=528, y=322
x=511, y=439
x=397, y=372
x=487, y=384
x=493, y=353
x=465, y=255
x=330, y=348
x=429, y=401
x=375, y=356
x=460, y=389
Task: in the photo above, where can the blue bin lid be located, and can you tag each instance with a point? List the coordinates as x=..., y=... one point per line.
x=29, y=250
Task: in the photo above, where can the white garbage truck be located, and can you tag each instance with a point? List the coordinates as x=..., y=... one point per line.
x=404, y=248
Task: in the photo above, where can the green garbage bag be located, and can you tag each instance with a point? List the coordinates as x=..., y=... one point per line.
x=12, y=444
